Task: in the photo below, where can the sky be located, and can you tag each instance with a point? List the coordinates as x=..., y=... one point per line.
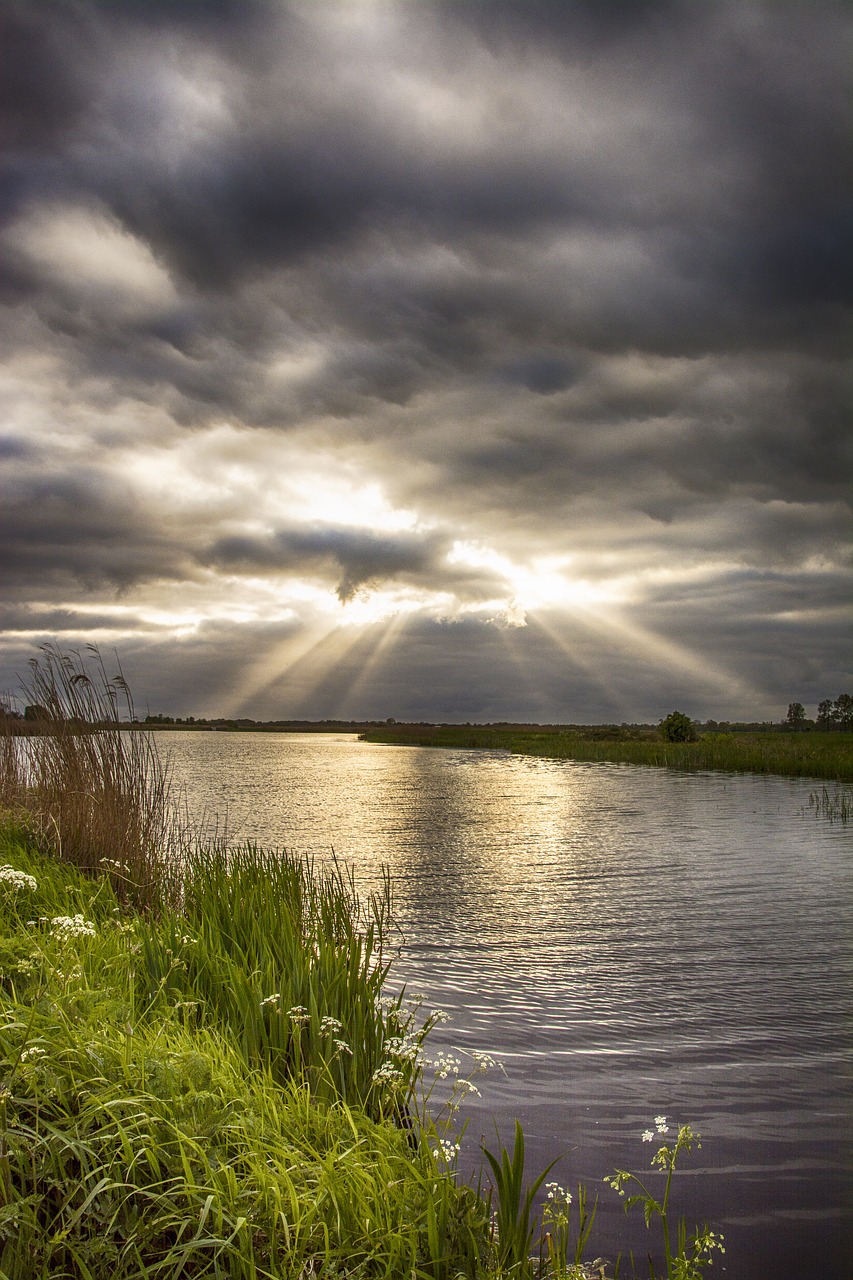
x=464, y=360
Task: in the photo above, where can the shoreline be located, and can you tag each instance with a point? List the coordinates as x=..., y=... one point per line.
x=822, y=756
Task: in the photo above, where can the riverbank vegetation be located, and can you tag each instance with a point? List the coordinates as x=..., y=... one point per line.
x=813, y=754
x=205, y=1069
x=185, y=1095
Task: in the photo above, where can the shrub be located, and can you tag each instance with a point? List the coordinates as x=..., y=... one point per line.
x=677, y=727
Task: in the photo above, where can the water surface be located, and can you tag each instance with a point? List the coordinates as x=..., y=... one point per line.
x=628, y=941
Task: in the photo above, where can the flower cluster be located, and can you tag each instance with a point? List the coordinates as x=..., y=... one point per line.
x=388, y=1074
x=33, y=1054
x=445, y=1065
x=299, y=1014
x=72, y=927
x=661, y=1126
x=330, y=1026
x=115, y=864
x=404, y=1048
x=16, y=880
x=445, y=1150
x=275, y=998
x=555, y=1211
x=464, y=1088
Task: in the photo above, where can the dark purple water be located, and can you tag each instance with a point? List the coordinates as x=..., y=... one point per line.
x=627, y=941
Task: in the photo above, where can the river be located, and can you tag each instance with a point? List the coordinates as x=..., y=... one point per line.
x=627, y=941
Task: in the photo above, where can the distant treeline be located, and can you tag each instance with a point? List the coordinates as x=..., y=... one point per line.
x=34, y=715
x=831, y=716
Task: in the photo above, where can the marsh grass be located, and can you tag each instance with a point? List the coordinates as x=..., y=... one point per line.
x=837, y=806
x=94, y=795
x=153, y=1123
x=813, y=754
x=291, y=963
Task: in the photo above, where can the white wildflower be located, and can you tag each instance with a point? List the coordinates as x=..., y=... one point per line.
x=16, y=880
x=273, y=999
x=466, y=1087
x=342, y=1047
x=446, y=1151
x=661, y=1124
x=403, y=1048
x=648, y=1135
x=330, y=1026
x=445, y=1065
x=298, y=1014
x=33, y=1053
x=388, y=1074
x=72, y=927
x=558, y=1193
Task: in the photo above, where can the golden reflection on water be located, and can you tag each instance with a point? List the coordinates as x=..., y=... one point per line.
x=627, y=940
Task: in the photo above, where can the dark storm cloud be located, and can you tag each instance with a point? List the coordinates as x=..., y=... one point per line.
x=360, y=557
x=40, y=624
x=567, y=277
x=78, y=533
x=353, y=559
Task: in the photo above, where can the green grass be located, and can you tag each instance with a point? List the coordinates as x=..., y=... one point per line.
x=813, y=754
x=158, y=1120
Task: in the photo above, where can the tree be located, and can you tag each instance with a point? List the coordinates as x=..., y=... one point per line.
x=837, y=714
x=844, y=710
x=826, y=715
x=796, y=717
x=678, y=727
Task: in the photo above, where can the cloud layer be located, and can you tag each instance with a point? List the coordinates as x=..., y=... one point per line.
x=455, y=360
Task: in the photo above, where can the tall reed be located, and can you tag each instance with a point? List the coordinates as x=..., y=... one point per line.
x=94, y=794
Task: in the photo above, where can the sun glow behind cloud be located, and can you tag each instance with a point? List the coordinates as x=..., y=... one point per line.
x=543, y=583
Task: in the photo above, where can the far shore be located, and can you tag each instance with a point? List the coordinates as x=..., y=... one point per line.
x=733, y=749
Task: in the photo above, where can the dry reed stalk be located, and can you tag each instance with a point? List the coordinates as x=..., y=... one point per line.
x=94, y=794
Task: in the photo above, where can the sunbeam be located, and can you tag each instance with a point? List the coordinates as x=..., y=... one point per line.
x=389, y=632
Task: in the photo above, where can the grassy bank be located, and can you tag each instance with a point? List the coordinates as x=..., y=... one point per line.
x=218, y=1090
x=204, y=1068
x=813, y=754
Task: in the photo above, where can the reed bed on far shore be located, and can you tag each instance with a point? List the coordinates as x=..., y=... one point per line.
x=801, y=755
